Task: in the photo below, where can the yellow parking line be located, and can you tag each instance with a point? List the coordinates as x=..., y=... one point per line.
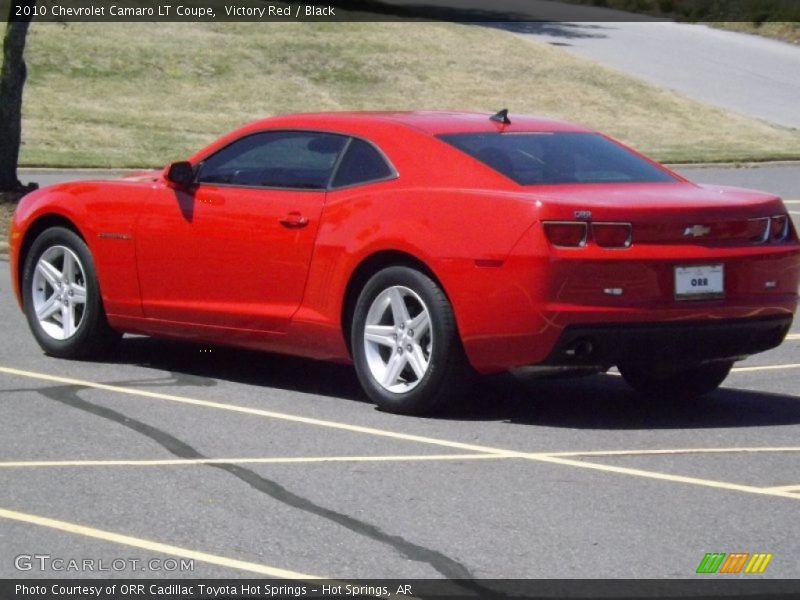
x=793, y=336
x=785, y=488
x=739, y=369
x=396, y=458
x=247, y=461
x=541, y=457
x=151, y=546
x=725, y=485
x=250, y=411
x=764, y=368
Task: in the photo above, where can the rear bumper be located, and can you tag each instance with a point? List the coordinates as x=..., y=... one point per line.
x=607, y=345
x=518, y=315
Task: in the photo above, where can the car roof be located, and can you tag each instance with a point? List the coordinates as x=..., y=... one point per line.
x=433, y=122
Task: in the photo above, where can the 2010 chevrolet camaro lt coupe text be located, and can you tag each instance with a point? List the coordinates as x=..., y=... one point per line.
x=424, y=247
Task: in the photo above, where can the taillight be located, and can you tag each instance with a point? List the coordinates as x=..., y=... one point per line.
x=612, y=235
x=569, y=234
x=779, y=228
x=758, y=229
x=575, y=234
x=769, y=229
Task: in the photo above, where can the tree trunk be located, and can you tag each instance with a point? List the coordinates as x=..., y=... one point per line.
x=12, y=81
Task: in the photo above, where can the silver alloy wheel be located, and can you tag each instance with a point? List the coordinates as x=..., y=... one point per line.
x=398, y=339
x=59, y=292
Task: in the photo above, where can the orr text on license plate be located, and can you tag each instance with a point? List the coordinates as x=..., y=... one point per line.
x=694, y=282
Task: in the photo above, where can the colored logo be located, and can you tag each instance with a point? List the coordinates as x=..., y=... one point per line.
x=736, y=562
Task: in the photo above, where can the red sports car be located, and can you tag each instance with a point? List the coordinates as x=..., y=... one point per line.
x=421, y=246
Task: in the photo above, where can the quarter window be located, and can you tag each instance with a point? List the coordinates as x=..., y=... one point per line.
x=361, y=164
x=282, y=159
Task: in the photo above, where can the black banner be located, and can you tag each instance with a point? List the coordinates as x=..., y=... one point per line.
x=757, y=11
x=114, y=589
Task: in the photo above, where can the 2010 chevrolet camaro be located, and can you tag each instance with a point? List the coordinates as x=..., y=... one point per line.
x=424, y=247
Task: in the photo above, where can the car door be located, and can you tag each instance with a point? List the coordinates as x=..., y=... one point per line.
x=233, y=251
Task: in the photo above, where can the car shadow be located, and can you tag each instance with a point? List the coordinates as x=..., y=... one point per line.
x=377, y=10
x=590, y=402
x=557, y=19
x=193, y=365
x=553, y=29
x=606, y=402
x=574, y=22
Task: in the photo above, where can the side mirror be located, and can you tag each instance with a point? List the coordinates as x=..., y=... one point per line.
x=180, y=174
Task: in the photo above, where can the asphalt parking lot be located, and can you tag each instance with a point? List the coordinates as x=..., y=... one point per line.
x=260, y=465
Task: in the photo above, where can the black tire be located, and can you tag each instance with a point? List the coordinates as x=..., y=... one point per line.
x=92, y=335
x=676, y=382
x=447, y=374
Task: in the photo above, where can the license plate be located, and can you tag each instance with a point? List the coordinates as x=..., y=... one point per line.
x=699, y=281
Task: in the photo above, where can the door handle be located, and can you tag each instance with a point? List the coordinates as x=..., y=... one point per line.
x=294, y=220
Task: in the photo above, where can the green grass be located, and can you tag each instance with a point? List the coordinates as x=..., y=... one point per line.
x=138, y=94
x=782, y=30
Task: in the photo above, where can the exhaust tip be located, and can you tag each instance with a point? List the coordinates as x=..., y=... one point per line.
x=580, y=348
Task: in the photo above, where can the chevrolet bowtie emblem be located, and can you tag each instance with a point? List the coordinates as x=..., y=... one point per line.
x=697, y=230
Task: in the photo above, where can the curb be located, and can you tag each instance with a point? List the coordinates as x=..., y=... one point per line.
x=735, y=165
x=90, y=170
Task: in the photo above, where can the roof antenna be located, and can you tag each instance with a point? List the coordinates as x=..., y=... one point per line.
x=501, y=117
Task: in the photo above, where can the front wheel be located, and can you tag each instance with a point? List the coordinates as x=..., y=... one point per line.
x=406, y=348
x=61, y=296
x=683, y=382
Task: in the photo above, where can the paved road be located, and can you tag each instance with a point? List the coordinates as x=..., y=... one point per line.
x=747, y=74
x=779, y=178
x=369, y=501
x=271, y=465
x=50, y=176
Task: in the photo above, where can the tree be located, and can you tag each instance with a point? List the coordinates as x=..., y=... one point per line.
x=12, y=82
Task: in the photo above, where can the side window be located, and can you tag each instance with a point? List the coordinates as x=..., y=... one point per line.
x=283, y=159
x=361, y=164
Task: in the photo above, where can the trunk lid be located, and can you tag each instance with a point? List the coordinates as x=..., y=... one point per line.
x=667, y=213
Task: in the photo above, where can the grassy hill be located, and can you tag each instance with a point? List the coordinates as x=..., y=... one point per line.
x=137, y=94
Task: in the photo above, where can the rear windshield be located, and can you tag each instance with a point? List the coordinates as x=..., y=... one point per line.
x=558, y=157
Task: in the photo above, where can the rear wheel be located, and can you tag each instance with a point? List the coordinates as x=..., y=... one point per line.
x=62, y=298
x=676, y=382
x=406, y=348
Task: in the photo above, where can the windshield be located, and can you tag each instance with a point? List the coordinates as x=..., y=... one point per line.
x=557, y=157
